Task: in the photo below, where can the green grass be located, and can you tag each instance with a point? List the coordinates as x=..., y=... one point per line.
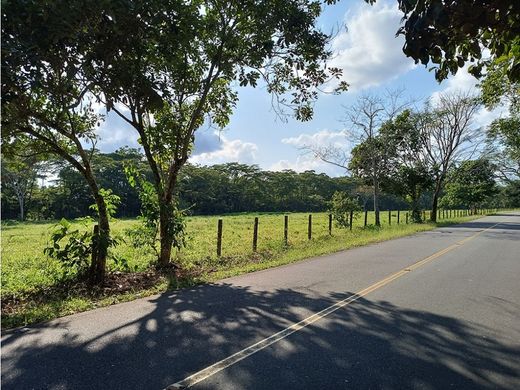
x=28, y=276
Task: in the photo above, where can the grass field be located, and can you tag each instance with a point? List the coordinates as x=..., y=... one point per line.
x=27, y=273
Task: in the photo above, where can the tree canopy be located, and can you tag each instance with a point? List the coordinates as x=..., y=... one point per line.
x=471, y=183
x=169, y=68
x=451, y=34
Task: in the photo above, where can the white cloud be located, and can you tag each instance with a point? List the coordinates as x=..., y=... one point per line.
x=114, y=133
x=227, y=151
x=368, y=51
x=322, y=138
x=484, y=117
x=307, y=162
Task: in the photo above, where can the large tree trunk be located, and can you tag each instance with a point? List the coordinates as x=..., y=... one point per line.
x=416, y=211
x=166, y=221
x=99, y=258
x=166, y=239
x=435, y=201
x=21, y=204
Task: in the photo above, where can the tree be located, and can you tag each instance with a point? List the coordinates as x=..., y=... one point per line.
x=453, y=33
x=44, y=102
x=448, y=136
x=20, y=175
x=470, y=184
x=503, y=135
x=341, y=206
x=510, y=194
x=168, y=68
x=407, y=174
x=71, y=196
x=368, y=162
x=363, y=121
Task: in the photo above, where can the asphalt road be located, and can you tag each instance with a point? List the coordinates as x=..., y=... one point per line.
x=450, y=321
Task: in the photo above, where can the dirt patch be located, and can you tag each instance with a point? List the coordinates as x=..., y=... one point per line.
x=116, y=283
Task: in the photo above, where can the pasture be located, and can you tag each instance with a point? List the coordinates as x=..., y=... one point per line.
x=29, y=276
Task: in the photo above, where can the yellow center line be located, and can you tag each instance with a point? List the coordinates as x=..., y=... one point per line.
x=262, y=344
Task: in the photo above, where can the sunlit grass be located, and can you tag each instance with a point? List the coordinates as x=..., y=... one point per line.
x=26, y=269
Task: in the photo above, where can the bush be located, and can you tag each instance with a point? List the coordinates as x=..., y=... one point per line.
x=341, y=205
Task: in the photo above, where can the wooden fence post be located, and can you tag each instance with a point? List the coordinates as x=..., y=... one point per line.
x=286, y=229
x=309, y=230
x=389, y=217
x=255, y=234
x=407, y=217
x=219, y=238
x=398, y=216
x=366, y=217
x=351, y=218
x=330, y=224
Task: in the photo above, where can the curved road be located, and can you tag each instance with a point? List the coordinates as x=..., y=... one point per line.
x=436, y=310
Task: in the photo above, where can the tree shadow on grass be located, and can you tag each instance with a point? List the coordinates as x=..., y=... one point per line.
x=369, y=344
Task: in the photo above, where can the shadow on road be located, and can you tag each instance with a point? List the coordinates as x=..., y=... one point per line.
x=369, y=344
x=486, y=225
x=500, y=231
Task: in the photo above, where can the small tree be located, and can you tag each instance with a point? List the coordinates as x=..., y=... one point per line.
x=20, y=175
x=470, y=184
x=368, y=162
x=341, y=205
x=410, y=182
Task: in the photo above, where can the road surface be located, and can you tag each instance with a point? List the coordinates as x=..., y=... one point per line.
x=436, y=310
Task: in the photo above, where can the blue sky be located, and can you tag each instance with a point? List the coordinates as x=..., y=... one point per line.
x=372, y=61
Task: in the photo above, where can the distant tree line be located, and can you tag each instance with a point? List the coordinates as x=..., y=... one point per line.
x=54, y=190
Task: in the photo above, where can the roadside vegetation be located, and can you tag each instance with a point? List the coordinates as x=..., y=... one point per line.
x=165, y=70
x=34, y=288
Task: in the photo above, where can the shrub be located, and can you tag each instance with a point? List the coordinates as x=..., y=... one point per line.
x=341, y=205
